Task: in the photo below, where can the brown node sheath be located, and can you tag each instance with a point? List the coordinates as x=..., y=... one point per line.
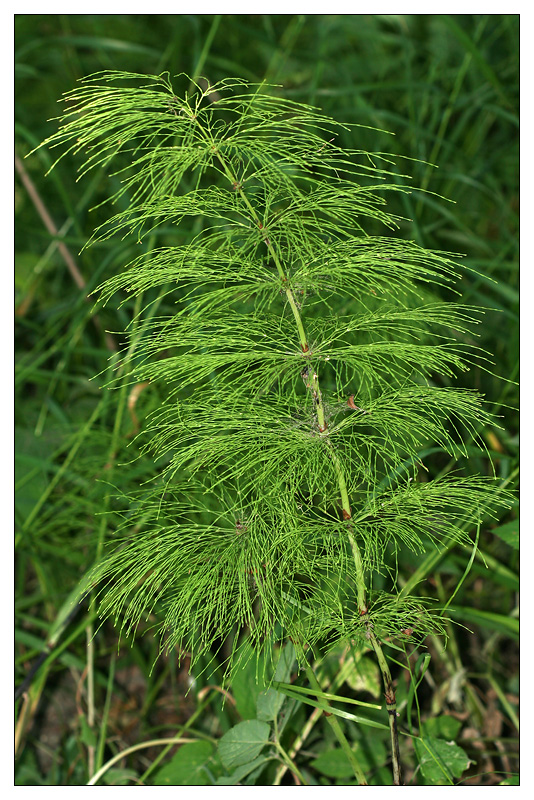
x=346, y=514
x=390, y=699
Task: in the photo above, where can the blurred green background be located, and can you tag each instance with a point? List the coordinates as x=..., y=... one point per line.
x=447, y=87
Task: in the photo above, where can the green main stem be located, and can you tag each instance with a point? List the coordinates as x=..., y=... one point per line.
x=389, y=689
x=391, y=704
x=314, y=386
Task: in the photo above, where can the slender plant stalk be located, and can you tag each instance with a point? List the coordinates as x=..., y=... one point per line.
x=90, y=650
x=336, y=728
x=391, y=705
x=297, y=744
x=314, y=717
x=142, y=746
x=26, y=710
x=286, y=759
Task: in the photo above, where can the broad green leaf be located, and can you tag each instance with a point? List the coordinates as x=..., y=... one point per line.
x=247, y=683
x=285, y=663
x=270, y=701
x=186, y=768
x=513, y=780
x=509, y=533
x=241, y=772
x=382, y=777
x=371, y=751
x=269, y=704
x=243, y=742
x=364, y=676
x=440, y=761
x=335, y=764
x=444, y=727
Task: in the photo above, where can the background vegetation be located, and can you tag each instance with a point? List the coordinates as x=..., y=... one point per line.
x=448, y=88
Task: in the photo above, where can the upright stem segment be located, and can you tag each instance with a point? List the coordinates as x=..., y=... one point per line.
x=336, y=727
x=391, y=705
x=312, y=382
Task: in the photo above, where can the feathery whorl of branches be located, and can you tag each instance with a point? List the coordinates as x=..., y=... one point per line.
x=300, y=362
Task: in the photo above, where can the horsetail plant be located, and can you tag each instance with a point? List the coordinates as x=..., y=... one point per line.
x=301, y=369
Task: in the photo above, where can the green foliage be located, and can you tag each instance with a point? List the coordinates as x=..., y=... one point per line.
x=334, y=764
x=364, y=675
x=512, y=781
x=448, y=87
x=509, y=533
x=440, y=760
x=445, y=726
x=243, y=743
x=243, y=541
x=186, y=768
x=270, y=701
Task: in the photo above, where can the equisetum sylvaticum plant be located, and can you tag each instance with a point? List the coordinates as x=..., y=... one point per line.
x=306, y=361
